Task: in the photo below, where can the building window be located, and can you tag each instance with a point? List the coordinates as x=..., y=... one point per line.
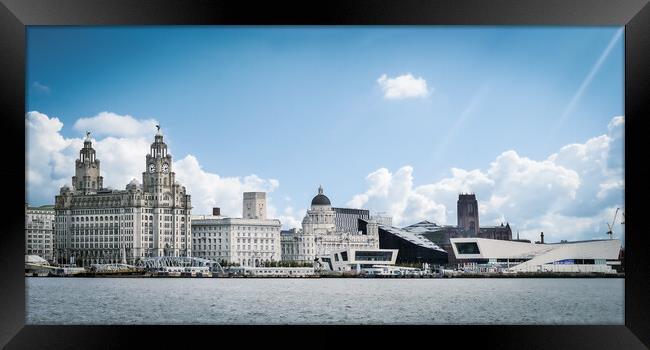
x=467, y=248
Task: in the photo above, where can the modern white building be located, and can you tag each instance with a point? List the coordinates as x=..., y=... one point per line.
x=39, y=228
x=320, y=235
x=95, y=225
x=491, y=255
x=248, y=241
x=357, y=259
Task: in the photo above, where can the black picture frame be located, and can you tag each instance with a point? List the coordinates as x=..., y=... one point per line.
x=633, y=14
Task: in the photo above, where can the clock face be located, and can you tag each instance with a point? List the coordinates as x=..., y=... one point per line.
x=165, y=168
x=152, y=168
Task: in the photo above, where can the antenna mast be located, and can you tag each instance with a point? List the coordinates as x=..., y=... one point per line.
x=609, y=232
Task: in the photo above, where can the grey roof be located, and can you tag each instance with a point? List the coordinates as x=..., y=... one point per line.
x=320, y=199
x=426, y=226
x=411, y=236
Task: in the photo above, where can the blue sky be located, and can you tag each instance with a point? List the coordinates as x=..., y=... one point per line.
x=303, y=105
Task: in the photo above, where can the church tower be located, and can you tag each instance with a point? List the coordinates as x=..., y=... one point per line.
x=87, y=179
x=158, y=177
x=467, y=212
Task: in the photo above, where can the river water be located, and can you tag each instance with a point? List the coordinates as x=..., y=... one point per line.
x=84, y=301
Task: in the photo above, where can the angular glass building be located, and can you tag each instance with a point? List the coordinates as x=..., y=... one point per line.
x=412, y=246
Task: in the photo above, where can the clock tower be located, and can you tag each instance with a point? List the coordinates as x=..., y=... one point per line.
x=158, y=176
x=87, y=177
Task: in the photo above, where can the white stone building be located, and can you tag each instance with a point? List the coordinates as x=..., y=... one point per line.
x=320, y=236
x=100, y=225
x=248, y=241
x=39, y=225
x=297, y=246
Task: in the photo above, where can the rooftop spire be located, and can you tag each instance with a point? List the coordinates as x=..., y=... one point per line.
x=320, y=189
x=87, y=136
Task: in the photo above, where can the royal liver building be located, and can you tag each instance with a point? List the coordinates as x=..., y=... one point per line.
x=94, y=224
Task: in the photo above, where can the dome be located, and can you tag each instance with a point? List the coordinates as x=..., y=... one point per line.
x=133, y=184
x=65, y=189
x=320, y=198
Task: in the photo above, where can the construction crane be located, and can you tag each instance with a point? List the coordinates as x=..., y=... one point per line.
x=609, y=232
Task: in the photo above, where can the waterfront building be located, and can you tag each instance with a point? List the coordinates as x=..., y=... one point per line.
x=94, y=224
x=248, y=241
x=491, y=255
x=467, y=226
x=357, y=259
x=320, y=234
x=296, y=246
x=346, y=219
x=39, y=231
x=413, y=247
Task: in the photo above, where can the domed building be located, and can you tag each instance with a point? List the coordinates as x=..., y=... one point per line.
x=323, y=232
x=320, y=219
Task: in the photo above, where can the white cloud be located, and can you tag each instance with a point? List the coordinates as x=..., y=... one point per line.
x=289, y=217
x=210, y=190
x=51, y=157
x=41, y=87
x=570, y=195
x=615, y=123
x=48, y=153
x=107, y=123
x=395, y=194
x=403, y=86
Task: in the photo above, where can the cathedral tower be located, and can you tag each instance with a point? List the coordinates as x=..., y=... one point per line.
x=87, y=177
x=467, y=211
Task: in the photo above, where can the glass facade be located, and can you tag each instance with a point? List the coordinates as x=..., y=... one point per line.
x=373, y=255
x=467, y=248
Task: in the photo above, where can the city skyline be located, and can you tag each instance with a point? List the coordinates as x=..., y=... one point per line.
x=566, y=181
